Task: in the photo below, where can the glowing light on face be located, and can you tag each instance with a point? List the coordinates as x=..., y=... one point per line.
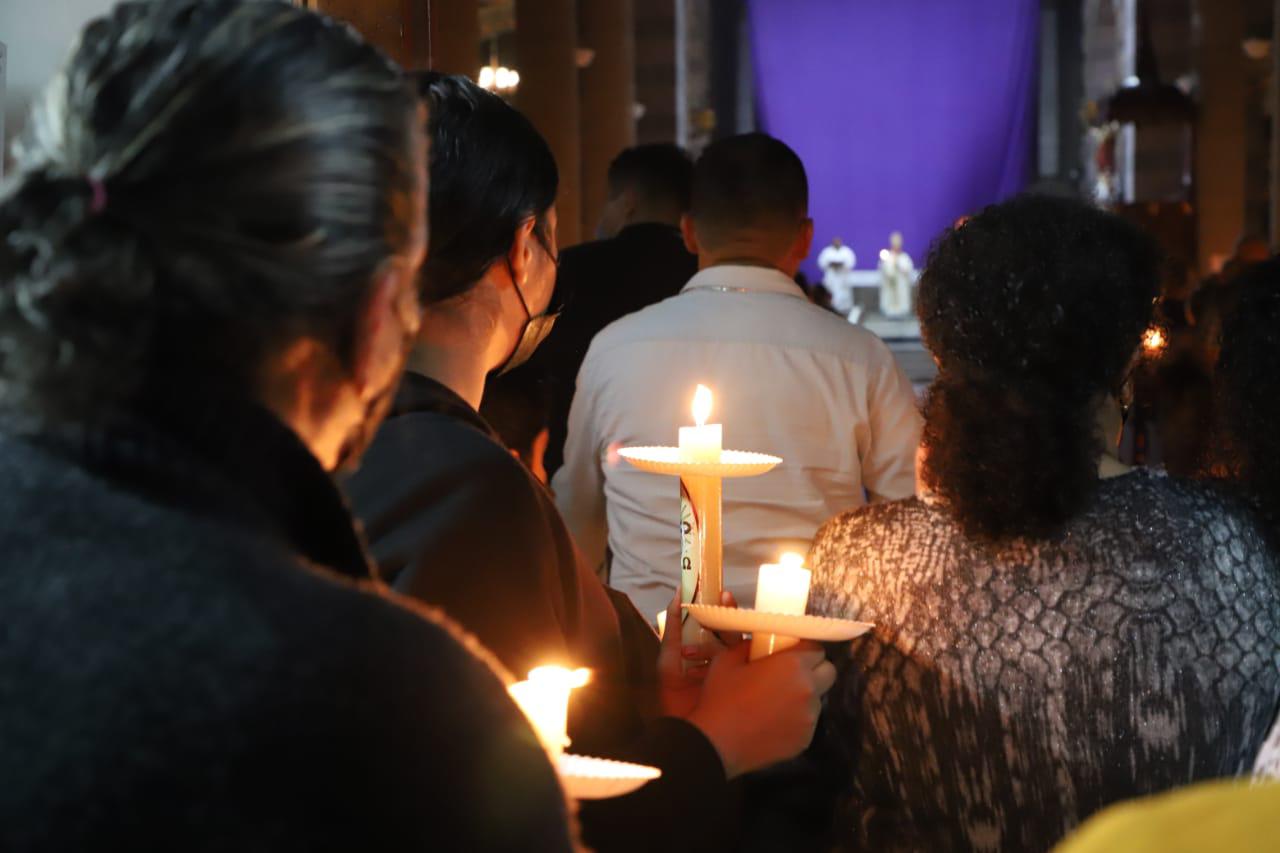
x=1153, y=340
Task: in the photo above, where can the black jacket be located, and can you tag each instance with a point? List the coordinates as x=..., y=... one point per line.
x=604, y=281
x=194, y=656
x=455, y=520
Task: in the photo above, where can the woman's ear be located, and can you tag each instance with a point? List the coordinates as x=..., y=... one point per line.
x=520, y=257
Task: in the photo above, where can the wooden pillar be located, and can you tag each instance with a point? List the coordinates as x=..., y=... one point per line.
x=655, y=40
x=608, y=94
x=1221, y=138
x=447, y=36
x=384, y=23
x=546, y=47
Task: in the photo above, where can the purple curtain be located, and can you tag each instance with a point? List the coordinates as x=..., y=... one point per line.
x=907, y=113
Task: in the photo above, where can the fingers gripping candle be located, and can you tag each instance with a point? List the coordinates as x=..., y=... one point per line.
x=701, y=546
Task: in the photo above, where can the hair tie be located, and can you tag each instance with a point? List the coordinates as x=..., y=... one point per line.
x=99, y=201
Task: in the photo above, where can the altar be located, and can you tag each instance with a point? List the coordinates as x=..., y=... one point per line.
x=866, y=295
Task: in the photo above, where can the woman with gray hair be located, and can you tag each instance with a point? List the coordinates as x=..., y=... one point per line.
x=208, y=285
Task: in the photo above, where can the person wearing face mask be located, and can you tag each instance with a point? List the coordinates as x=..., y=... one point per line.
x=208, y=289
x=456, y=521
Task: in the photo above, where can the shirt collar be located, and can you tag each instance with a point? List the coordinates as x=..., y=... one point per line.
x=743, y=278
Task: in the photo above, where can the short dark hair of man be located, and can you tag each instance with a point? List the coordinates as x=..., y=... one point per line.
x=659, y=174
x=746, y=182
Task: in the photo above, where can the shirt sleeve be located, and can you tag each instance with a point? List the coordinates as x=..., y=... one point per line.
x=579, y=484
x=889, y=461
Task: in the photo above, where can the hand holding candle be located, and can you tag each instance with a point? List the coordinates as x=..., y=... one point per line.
x=781, y=588
x=701, y=462
x=544, y=699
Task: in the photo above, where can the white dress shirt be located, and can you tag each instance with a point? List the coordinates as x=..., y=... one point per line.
x=789, y=378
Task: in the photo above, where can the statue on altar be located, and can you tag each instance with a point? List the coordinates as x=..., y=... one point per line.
x=836, y=262
x=897, y=275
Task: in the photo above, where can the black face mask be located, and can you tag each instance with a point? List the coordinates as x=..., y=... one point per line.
x=535, y=329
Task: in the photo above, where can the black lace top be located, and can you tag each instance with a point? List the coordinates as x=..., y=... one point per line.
x=1009, y=692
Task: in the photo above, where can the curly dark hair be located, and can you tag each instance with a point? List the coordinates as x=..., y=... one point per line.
x=1248, y=393
x=204, y=182
x=1032, y=309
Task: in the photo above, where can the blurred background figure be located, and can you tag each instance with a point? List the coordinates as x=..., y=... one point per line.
x=897, y=277
x=639, y=260
x=837, y=262
x=517, y=406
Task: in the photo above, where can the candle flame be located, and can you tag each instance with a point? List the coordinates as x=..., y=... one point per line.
x=792, y=560
x=1153, y=340
x=701, y=405
x=571, y=678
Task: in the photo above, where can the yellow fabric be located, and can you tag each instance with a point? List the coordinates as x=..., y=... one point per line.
x=1227, y=816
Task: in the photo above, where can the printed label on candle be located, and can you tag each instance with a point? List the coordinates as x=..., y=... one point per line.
x=690, y=549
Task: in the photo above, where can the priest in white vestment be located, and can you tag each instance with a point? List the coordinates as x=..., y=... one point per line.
x=836, y=262
x=897, y=275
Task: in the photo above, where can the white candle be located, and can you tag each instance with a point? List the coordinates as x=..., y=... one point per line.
x=782, y=588
x=544, y=699
x=701, y=443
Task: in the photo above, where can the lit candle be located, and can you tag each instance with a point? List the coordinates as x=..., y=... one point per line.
x=781, y=588
x=701, y=545
x=662, y=624
x=701, y=443
x=544, y=699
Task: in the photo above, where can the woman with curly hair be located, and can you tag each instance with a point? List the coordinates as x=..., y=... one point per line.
x=1046, y=642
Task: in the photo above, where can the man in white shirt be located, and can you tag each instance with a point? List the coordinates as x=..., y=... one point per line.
x=789, y=378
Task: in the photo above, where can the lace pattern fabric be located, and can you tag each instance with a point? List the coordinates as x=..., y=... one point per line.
x=1008, y=692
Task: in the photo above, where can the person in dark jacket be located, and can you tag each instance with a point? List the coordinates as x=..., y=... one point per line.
x=207, y=288
x=640, y=259
x=461, y=524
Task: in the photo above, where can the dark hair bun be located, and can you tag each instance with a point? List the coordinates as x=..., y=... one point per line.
x=259, y=163
x=1033, y=308
x=52, y=312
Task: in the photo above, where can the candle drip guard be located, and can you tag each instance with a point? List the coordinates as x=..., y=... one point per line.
x=701, y=542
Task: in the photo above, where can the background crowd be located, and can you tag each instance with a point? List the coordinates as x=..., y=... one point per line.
x=291, y=489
